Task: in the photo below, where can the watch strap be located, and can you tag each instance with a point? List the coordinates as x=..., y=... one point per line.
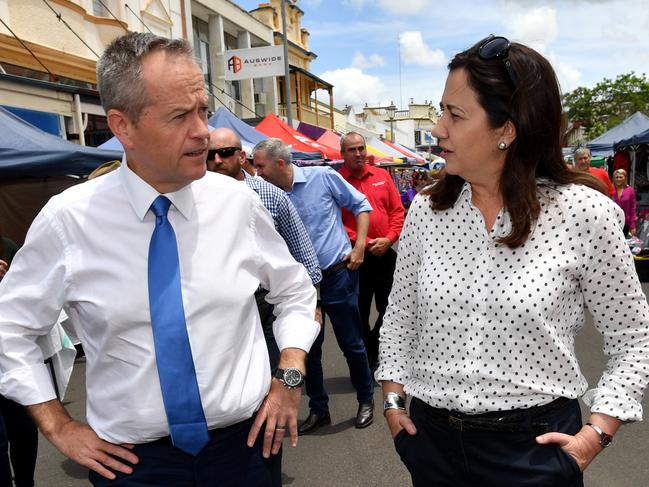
x=280, y=374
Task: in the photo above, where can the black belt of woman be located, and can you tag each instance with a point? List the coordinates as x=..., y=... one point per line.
x=516, y=420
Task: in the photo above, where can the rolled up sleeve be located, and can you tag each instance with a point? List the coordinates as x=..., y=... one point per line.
x=614, y=296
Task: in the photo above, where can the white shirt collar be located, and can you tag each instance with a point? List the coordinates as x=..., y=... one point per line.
x=141, y=194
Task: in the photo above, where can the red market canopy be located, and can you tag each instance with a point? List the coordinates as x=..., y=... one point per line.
x=405, y=151
x=272, y=126
x=374, y=156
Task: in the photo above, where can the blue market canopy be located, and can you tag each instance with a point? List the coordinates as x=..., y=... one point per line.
x=634, y=141
x=250, y=136
x=115, y=145
x=603, y=145
x=28, y=151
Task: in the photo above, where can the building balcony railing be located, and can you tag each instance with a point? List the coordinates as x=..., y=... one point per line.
x=307, y=114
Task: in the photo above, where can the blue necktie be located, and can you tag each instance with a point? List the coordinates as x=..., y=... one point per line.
x=176, y=371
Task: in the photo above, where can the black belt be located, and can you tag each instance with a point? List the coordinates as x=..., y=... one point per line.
x=166, y=440
x=516, y=420
x=334, y=268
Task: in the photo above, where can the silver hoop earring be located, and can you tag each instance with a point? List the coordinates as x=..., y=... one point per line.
x=502, y=146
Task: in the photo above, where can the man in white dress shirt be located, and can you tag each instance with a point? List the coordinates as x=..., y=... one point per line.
x=87, y=252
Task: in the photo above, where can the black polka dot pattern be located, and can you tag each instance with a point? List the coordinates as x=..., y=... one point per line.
x=475, y=326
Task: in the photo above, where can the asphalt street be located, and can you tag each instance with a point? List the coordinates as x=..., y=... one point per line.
x=340, y=455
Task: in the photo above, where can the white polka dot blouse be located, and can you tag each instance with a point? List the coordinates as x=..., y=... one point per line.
x=475, y=326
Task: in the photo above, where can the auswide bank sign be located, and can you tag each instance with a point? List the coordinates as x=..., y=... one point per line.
x=257, y=62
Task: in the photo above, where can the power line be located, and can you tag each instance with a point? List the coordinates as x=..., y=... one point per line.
x=112, y=15
x=58, y=16
x=52, y=75
x=147, y=27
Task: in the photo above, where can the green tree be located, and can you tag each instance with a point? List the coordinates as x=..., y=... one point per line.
x=608, y=103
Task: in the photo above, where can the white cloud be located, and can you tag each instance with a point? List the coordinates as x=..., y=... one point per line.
x=353, y=87
x=360, y=61
x=406, y=7
x=569, y=76
x=415, y=51
x=536, y=28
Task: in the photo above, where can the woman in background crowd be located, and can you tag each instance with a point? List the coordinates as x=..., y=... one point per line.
x=496, y=263
x=20, y=429
x=625, y=197
x=420, y=179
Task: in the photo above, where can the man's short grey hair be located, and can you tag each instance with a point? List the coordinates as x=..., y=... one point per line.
x=119, y=70
x=343, y=139
x=581, y=151
x=275, y=149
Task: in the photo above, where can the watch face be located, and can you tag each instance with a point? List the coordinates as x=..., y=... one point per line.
x=606, y=440
x=292, y=377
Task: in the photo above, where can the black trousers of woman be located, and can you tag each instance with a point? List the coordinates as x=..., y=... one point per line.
x=475, y=451
x=23, y=441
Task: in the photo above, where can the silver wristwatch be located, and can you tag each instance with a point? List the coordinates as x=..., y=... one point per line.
x=392, y=400
x=290, y=377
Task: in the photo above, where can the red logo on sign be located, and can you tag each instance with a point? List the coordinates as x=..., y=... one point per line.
x=235, y=64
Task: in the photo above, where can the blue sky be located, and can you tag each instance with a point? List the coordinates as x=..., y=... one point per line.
x=359, y=42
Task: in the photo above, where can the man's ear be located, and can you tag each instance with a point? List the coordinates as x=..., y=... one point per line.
x=121, y=126
x=281, y=163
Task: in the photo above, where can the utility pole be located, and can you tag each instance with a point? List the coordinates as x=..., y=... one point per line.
x=287, y=74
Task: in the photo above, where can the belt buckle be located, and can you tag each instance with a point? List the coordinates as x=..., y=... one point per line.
x=455, y=422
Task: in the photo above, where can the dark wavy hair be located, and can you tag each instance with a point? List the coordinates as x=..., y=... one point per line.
x=533, y=105
x=3, y=251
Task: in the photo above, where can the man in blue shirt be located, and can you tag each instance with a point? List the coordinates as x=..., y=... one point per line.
x=318, y=194
x=227, y=156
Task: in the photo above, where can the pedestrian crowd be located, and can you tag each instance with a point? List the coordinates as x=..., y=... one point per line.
x=198, y=273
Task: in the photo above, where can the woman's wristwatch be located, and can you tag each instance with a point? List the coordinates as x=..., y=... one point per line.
x=392, y=400
x=604, y=438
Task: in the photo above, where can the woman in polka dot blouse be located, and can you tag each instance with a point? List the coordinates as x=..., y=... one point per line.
x=497, y=263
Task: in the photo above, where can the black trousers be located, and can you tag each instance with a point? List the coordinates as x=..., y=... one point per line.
x=267, y=318
x=443, y=455
x=375, y=282
x=23, y=441
x=226, y=461
x=5, y=467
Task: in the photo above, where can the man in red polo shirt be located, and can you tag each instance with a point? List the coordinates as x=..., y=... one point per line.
x=386, y=221
x=582, y=163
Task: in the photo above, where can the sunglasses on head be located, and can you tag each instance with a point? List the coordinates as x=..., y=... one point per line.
x=223, y=152
x=497, y=47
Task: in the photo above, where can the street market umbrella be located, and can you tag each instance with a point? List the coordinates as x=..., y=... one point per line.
x=272, y=126
x=405, y=151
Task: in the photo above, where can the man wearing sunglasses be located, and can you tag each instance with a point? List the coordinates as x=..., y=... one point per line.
x=226, y=156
